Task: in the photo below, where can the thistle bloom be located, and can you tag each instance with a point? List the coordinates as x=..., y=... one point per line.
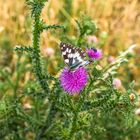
x=49, y=52
x=94, y=53
x=74, y=81
x=111, y=59
x=117, y=82
x=92, y=39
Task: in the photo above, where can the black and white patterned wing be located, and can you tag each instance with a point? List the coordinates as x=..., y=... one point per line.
x=73, y=57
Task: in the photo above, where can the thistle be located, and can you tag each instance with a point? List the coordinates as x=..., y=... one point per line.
x=74, y=81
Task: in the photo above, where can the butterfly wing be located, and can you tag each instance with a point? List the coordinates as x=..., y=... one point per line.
x=73, y=57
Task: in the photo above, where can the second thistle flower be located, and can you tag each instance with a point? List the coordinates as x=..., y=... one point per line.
x=94, y=54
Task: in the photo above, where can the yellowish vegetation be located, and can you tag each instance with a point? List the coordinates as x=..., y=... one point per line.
x=120, y=19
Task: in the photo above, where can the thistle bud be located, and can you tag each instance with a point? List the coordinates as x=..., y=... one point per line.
x=132, y=97
x=137, y=111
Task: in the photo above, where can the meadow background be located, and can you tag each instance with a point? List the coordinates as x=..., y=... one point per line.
x=118, y=24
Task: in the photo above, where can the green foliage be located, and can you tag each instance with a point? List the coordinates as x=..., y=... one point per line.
x=85, y=27
x=23, y=49
x=36, y=6
x=100, y=111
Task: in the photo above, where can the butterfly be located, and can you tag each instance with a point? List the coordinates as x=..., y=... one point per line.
x=73, y=57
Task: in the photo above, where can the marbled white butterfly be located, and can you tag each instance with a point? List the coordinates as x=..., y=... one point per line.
x=73, y=57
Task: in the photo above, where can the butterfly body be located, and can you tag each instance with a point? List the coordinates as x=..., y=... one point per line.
x=73, y=57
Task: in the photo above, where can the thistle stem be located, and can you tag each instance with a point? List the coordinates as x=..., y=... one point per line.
x=36, y=53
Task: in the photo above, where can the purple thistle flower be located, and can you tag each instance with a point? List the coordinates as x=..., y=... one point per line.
x=94, y=53
x=74, y=81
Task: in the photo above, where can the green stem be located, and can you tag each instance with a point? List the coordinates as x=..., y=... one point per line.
x=47, y=123
x=78, y=108
x=36, y=53
x=46, y=27
x=17, y=77
x=73, y=128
